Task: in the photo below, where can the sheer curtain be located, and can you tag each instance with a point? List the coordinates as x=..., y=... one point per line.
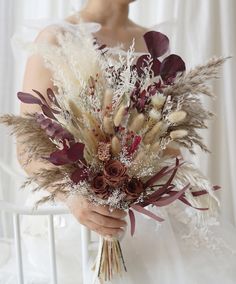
x=198, y=30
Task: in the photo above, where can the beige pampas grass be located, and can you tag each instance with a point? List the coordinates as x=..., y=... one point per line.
x=155, y=148
x=76, y=111
x=158, y=101
x=119, y=115
x=150, y=135
x=108, y=125
x=177, y=116
x=107, y=102
x=178, y=134
x=137, y=123
x=115, y=146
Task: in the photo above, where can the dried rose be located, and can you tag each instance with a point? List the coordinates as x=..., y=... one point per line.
x=99, y=186
x=115, y=173
x=134, y=188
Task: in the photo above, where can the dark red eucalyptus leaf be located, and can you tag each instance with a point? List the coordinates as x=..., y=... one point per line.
x=79, y=175
x=135, y=144
x=59, y=158
x=157, y=43
x=132, y=222
x=185, y=201
x=76, y=152
x=47, y=111
x=52, y=97
x=51, y=130
x=28, y=98
x=164, y=201
x=170, y=66
x=45, y=123
x=156, y=67
x=147, y=213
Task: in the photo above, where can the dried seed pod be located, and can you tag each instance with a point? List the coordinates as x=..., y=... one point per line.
x=119, y=115
x=75, y=110
x=177, y=116
x=94, y=125
x=154, y=114
x=91, y=141
x=178, y=134
x=137, y=123
x=150, y=135
x=155, y=147
x=115, y=146
x=107, y=102
x=108, y=125
x=158, y=101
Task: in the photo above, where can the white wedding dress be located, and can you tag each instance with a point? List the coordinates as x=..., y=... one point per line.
x=173, y=252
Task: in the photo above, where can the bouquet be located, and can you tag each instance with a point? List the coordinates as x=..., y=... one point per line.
x=106, y=125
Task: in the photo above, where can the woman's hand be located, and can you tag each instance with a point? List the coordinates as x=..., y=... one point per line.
x=97, y=218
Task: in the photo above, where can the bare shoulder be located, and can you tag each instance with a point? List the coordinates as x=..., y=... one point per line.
x=49, y=34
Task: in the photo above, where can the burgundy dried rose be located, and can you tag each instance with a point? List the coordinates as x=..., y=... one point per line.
x=115, y=173
x=99, y=186
x=134, y=188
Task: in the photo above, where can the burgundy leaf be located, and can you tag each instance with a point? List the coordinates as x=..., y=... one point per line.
x=202, y=192
x=146, y=212
x=52, y=97
x=166, y=188
x=76, y=152
x=132, y=221
x=41, y=97
x=47, y=111
x=28, y=98
x=170, y=66
x=164, y=201
x=59, y=158
x=156, y=177
x=79, y=175
x=185, y=201
x=156, y=67
x=157, y=43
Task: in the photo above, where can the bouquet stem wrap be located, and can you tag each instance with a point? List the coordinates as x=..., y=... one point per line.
x=110, y=261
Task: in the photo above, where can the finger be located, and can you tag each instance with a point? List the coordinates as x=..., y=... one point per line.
x=104, y=210
x=106, y=221
x=104, y=231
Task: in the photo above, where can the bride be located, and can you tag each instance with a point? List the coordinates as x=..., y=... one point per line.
x=174, y=252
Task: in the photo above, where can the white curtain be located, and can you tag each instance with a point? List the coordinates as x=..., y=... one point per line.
x=198, y=30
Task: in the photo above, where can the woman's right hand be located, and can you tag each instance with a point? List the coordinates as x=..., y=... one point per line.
x=97, y=218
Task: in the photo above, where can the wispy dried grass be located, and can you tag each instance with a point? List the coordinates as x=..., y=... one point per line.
x=51, y=180
x=29, y=134
x=194, y=81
